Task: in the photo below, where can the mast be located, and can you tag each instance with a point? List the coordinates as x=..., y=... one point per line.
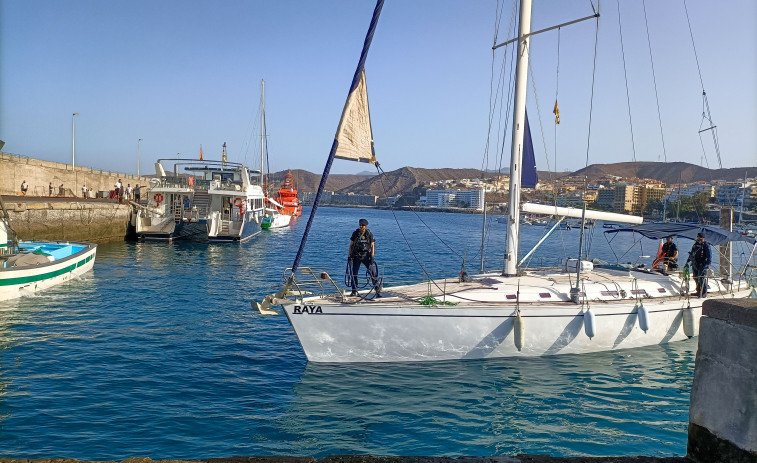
x=262, y=132
x=516, y=152
x=743, y=191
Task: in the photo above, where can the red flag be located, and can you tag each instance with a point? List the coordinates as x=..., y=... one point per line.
x=556, y=112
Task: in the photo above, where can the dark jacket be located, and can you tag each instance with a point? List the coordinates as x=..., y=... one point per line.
x=699, y=255
x=361, y=243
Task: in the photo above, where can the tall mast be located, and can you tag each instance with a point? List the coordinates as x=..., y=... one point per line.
x=519, y=126
x=262, y=133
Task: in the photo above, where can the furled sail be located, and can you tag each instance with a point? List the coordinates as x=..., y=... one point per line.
x=528, y=178
x=354, y=136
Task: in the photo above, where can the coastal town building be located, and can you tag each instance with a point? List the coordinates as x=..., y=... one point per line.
x=473, y=199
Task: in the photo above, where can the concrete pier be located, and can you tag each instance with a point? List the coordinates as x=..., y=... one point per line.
x=68, y=219
x=723, y=414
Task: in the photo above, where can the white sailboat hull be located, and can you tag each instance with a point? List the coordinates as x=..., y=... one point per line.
x=483, y=324
x=393, y=333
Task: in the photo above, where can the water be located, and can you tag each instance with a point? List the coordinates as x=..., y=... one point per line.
x=157, y=353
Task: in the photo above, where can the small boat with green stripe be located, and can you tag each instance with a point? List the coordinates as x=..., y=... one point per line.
x=30, y=266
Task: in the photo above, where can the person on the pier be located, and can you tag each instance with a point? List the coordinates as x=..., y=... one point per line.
x=700, y=259
x=670, y=251
x=24, y=187
x=361, y=251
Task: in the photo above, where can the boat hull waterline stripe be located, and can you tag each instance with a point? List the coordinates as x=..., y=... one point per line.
x=45, y=276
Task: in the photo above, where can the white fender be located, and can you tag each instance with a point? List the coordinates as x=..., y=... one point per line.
x=688, y=322
x=589, y=323
x=519, y=331
x=643, y=317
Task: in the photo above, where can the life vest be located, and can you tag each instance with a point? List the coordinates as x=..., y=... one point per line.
x=362, y=245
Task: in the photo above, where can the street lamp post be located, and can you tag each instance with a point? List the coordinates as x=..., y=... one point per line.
x=139, y=153
x=73, y=141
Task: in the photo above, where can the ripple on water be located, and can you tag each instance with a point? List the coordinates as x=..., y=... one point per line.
x=157, y=353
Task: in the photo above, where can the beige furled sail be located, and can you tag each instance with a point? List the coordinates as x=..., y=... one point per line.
x=354, y=135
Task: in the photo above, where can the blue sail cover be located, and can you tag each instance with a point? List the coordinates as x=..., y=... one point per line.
x=712, y=235
x=528, y=178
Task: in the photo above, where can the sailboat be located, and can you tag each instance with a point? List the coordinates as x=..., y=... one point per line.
x=513, y=312
x=275, y=215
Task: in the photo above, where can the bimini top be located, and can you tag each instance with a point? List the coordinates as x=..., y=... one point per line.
x=713, y=235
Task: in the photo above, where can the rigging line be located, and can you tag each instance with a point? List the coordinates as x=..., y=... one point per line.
x=706, y=110
x=538, y=113
x=591, y=99
x=381, y=180
x=493, y=99
x=557, y=93
x=625, y=77
x=654, y=81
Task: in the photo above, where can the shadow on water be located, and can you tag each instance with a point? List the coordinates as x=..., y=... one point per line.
x=619, y=403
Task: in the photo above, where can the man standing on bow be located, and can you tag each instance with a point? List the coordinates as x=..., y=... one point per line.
x=361, y=251
x=700, y=259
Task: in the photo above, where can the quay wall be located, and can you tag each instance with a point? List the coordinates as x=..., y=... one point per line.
x=38, y=174
x=60, y=219
x=723, y=411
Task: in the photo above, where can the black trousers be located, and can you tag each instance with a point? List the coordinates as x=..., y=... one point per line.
x=366, y=260
x=700, y=278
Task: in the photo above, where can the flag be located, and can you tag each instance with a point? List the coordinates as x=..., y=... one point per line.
x=200, y=152
x=556, y=112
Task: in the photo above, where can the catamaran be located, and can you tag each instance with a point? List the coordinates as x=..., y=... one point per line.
x=202, y=200
x=514, y=311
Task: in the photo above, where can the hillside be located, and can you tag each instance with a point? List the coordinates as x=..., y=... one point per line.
x=402, y=180
x=667, y=172
x=407, y=179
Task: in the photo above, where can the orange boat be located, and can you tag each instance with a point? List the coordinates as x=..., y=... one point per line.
x=287, y=197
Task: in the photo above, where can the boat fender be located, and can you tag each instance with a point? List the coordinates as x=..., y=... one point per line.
x=590, y=324
x=643, y=317
x=688, y=322
x=519, y=331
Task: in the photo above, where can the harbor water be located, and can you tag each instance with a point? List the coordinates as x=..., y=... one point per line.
x=158, y=353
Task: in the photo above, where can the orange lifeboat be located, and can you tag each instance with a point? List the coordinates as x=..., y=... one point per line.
x=287, y=197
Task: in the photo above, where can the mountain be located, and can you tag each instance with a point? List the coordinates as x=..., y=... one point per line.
x=666, y=172
x=399, y=181
x=407, y=180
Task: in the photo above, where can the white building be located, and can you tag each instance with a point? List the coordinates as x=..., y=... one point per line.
x=689, y=191
x=473, y=199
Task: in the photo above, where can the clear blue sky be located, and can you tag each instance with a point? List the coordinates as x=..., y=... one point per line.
x=180, y=74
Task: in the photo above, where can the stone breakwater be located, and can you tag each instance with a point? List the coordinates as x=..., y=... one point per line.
x=68, y=219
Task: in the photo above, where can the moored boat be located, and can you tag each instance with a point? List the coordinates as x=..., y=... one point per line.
x=27, y=266
x=287, y=198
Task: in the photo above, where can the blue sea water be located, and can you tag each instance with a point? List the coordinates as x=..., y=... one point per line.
x=158, y=353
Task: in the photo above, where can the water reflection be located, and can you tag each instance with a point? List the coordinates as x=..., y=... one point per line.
x=601, y=404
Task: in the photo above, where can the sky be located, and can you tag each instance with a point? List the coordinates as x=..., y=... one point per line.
x=185, y=74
